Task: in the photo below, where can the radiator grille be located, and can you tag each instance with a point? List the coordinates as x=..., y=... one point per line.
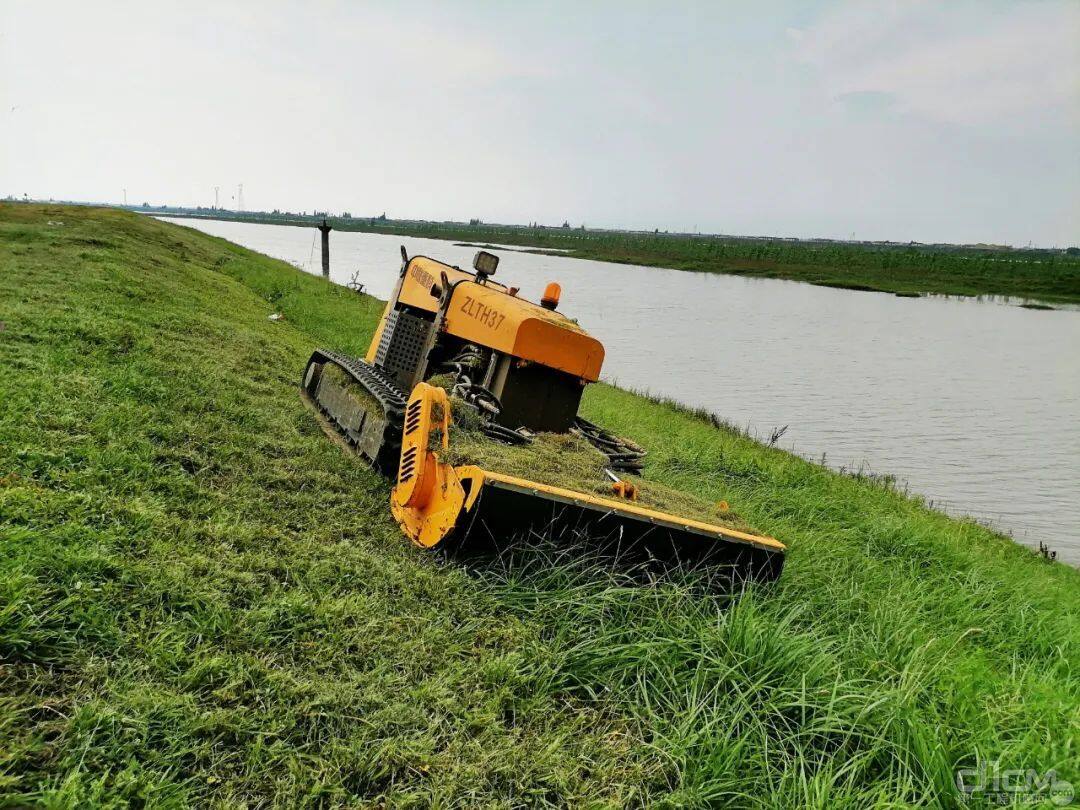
x=401, y=346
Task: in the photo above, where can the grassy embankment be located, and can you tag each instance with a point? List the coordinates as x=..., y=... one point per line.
x=908, y=270
x=202, y=600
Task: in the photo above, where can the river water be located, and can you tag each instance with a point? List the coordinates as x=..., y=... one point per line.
x=974, y=404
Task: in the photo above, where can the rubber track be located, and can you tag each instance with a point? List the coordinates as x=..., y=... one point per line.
x=381, y=386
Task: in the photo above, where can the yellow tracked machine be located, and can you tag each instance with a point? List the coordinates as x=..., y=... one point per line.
x=514, y=370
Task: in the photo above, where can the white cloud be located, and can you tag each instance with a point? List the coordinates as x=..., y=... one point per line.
x=962, y=64
x=514, y=112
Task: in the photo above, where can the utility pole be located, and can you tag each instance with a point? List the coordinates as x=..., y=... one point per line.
x=324, y=229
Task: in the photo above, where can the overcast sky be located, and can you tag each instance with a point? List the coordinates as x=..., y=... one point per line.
x=929, y=121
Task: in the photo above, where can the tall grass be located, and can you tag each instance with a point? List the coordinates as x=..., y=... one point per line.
x=202, y=601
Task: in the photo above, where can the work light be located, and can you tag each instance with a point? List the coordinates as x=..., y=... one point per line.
x=485, y=263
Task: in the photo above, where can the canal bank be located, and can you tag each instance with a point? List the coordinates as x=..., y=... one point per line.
x=205, y=601
x=971, y=404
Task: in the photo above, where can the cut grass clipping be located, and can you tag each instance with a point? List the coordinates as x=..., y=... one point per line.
x=358, y=397
x=571, y=462
x=556, y=459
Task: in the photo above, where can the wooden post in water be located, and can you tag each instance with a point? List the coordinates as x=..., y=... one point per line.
x=324, y=229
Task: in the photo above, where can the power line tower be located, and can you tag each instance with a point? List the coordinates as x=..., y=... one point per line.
x=240, y=197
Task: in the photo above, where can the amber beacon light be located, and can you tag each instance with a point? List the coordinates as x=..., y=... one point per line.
x=551, y=296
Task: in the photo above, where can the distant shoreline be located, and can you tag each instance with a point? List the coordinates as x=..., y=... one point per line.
x=1036, y=277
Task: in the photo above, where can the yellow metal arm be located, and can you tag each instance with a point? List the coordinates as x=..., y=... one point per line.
x=426, y=416
x=428, y=497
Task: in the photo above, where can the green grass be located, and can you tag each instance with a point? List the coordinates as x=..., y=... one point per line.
x=907, y=270
x=203, y=601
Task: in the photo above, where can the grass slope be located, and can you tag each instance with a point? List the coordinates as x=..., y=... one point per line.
x=203, y=601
